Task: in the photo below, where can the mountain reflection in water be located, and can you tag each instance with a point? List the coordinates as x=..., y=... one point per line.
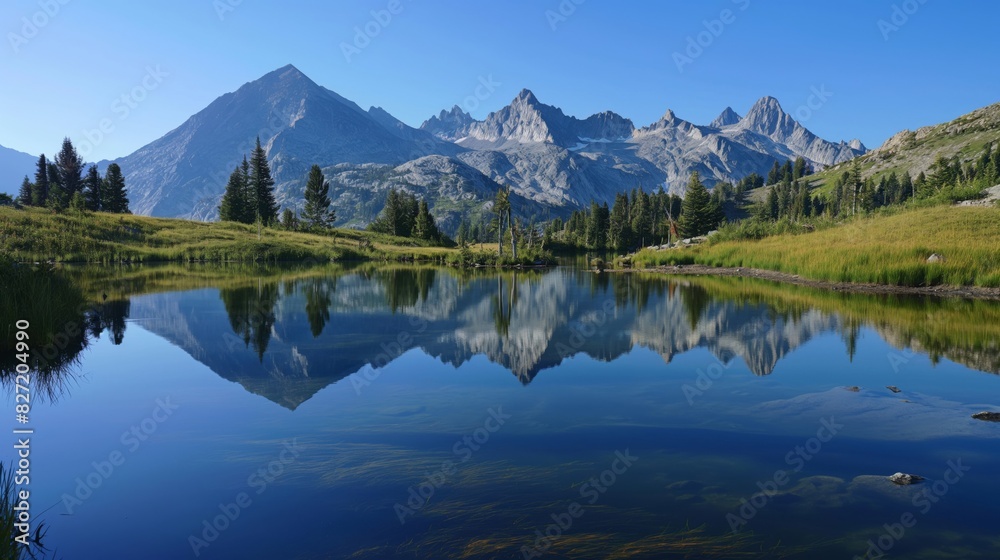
x=287, y=338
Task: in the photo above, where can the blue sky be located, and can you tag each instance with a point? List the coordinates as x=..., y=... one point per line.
x=67, y=76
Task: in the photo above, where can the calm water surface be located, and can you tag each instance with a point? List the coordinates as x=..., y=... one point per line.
x=427, y=413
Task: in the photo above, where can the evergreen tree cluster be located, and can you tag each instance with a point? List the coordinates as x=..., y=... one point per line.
x=638, y=219
x=404, y=216
x=701, y=211
x=789, y=171
x=852, y=193
x=249, y=196
x=470, y=231
x=792, y=200
x=61, y=184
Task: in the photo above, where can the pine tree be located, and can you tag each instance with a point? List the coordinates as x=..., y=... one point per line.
x=786, y=171
x=857, y=183
x=619, y=228
x=92, y=191
x=425, y=228
x=411, y=208
x=398, y=215
x=289, y=220
x=235, y=206
x=817, y=206
x=799, y=170
x=892, y=192
x=642, y=218
x=70, y=166
x=113, y=190
x=804, y=204
x=696, y=213
x=262, y=186
x=78, y=202
x=773, y=208
x=500, y=204
x=906, y=189
x=317, y=211
x=785, y=197
x=57, y=198
x=716, y=213
x=774, y=175
x=24, y=196
x=40, y=188
x=248, y=213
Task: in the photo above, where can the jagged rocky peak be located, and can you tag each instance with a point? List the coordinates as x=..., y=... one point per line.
x=449, y=125
x=525, y=96
x=768, y=118
x=525, y=120
x=668, y=121
x=726, y=118
x=288, y=71
x=857, y=145
x=606, y=125
x=552, y=158
x=456, y=114
x=287, y=80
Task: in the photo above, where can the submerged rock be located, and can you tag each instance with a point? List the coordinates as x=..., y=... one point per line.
x=893, y=388
x=987, y=416
x=853, y=389
x=904, y=479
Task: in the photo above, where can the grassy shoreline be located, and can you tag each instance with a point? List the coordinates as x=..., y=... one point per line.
x=38, y=235
x=881, y=250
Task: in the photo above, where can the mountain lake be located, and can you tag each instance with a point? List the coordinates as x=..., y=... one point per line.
x=428, y=412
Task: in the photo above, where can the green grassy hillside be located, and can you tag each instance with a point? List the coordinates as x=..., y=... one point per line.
x=39, y=235
x=886, y=248
x=915, y=151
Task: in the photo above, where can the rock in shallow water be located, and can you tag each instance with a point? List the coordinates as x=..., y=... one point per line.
x=987, y=416
x=904, y=479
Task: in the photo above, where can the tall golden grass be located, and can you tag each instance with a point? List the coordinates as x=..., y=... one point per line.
x=880, y=249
